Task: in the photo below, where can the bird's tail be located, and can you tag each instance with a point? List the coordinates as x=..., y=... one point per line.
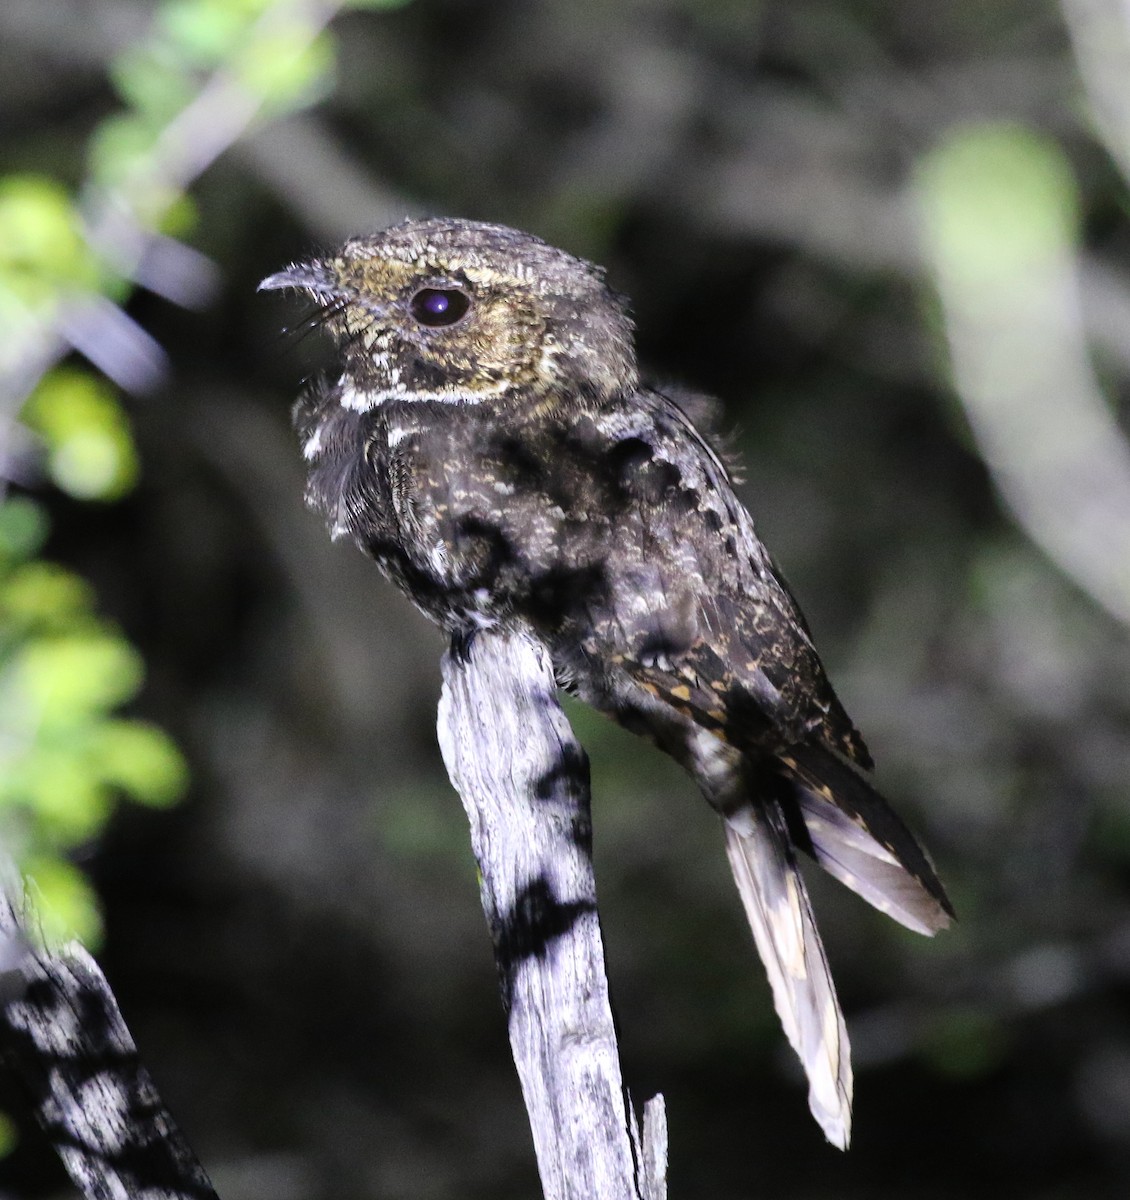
x=810, y=799
x=780, y=915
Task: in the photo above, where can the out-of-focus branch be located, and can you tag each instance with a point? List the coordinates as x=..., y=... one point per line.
x=999, y=239
x=524, y=782
x=63, y=1036
x=1100, y=37
x=337, y=197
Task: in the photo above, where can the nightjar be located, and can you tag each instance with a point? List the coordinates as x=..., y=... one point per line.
x=490, y=443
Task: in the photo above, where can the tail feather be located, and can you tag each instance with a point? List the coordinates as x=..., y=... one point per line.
x=856, y=837
x=780, y=915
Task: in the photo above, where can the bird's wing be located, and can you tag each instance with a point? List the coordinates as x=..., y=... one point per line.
x=836, y=815
x=697, y=606
x=858, y=838
x=697, y=616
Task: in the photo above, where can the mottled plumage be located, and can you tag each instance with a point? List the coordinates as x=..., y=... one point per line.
x=490, y=444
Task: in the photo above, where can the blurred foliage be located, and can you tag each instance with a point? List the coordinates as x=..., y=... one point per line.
x=65, y=756
x=62, y=671
x=89, y=450
x=42, y=254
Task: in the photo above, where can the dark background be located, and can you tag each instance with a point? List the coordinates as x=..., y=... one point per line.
x=298, y=948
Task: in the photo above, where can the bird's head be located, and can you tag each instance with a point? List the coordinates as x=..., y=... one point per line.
x=466, y=313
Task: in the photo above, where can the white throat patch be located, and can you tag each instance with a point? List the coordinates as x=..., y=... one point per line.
x=365, y=400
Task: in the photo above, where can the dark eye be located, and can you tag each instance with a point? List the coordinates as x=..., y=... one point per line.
x=439, y=306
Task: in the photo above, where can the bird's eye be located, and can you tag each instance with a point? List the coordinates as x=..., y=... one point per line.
x=440, y=306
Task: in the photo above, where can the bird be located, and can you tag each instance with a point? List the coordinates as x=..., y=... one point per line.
x=491, y=444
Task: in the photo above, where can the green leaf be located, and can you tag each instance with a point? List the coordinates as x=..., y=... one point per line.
x=287, y=69
x=205, y=32
x=91, y=455
x=57, y=785
x=44, y=597
x=42, y=256
x=39, y=233
x=23, y=529
x=141, y=760
x=94, y=464
x=67, y=678
x=153, y=81
x=63, y=903
x=120, y=148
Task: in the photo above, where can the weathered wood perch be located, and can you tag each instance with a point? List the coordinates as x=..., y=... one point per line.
x=524, y=781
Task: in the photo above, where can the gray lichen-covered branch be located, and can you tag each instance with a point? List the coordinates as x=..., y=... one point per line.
x=62, y=1035
x=524, y=781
